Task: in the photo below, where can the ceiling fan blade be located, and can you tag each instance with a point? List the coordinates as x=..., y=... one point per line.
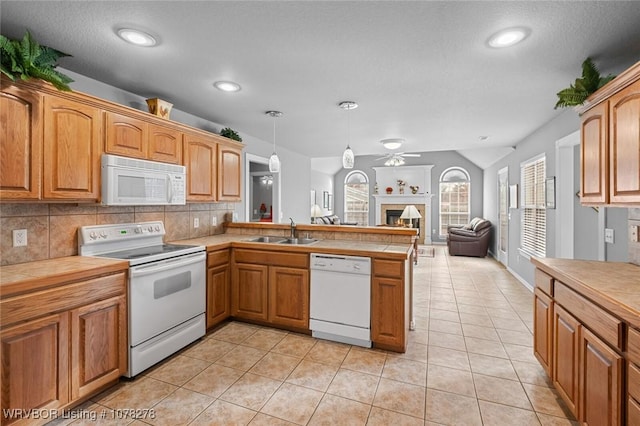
x=382, y=158
x=410, y=155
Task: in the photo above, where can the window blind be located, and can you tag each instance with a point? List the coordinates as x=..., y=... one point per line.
x=534, y=215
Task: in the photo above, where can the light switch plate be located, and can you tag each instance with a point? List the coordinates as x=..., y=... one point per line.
x=608, y=235
x=214, y=221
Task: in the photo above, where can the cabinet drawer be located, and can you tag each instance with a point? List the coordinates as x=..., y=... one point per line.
x=633, y=381
x=215, y=258
x=593, y=317
x=633, y=412
x=633, y=345
x=388, y=268
x=40, y=303
x=544, y=282
x=274, y=258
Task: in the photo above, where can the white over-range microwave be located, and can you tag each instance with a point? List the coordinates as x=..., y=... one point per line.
x=133, y=182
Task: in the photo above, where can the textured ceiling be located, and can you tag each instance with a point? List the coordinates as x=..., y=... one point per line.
x=420, y=70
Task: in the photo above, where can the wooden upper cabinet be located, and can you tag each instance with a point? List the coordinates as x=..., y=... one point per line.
x=200, y=160
x=229, y=173
x=610, y=148
x=595, y=155
x=126, y=136
x=165, y=144
x=624, y=145
x=71, y=155
x=20, y=143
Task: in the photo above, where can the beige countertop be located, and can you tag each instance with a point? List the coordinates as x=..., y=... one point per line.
x=30, y=276
x=330, y=246
x=613, y=285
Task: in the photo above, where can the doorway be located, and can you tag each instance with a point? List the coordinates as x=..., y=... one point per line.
x=262, y=191
x=503, y=216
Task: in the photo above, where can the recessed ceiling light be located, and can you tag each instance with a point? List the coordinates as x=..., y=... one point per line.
x=508, y=37
x=227, y=86
x=483, y=138
x=139, y=38
x=394, y=143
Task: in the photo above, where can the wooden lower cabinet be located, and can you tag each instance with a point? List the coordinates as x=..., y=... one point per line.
x=600, y=382
x=289, y=296
x=249, y=293
x=389, y=304
x=35, y=365
x=61, y=345
x=98, y=345
x=543, y=318
x=218, y=294
x=566, y=357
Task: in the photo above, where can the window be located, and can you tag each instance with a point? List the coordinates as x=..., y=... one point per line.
x=534, y=215
x=356, y=198
x=454, y=198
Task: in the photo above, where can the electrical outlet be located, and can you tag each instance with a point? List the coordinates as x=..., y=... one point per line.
x=214, y=221
x=19, y=237
x=634, y=233
x=196, y=222
x=608, y=235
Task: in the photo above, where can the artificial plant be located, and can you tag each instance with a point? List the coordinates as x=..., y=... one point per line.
x=25, y=59
x=228, y=132
x=583, y=87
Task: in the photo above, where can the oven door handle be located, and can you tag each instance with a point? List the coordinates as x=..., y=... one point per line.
x=138, y=271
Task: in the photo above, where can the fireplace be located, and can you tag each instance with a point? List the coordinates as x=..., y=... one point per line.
x=393, y=218
x=389, y=214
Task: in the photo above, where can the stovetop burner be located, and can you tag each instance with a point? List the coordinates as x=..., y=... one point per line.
x=146, y=251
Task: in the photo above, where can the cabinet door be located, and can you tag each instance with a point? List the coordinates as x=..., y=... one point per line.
x=200, y=161
x=387, y=313
x=98, y=345
x=565, y=364
x=35, y=365
x=165, y=144
x=289, y=296
x=126, y=136
x=543, y=328
x=218, y=297
x=249, y=291
x=624, y=145
x=600, y=382
x=229, y=173
x=71, y=157
x=20, y=144
x=594, y=154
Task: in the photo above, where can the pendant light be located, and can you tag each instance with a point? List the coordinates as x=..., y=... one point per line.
x=348, y=158
x=274, y=161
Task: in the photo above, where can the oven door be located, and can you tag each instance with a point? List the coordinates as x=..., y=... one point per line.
x=165, y=294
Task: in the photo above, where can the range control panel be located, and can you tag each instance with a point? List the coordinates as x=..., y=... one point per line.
x=120, y=232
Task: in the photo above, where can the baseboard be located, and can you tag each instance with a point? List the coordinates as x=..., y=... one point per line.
x=519, y=278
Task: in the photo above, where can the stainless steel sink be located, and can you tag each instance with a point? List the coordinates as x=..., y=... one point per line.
x=267, y=239
x=298, y=241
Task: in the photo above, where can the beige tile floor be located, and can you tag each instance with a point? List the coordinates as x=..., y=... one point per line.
x=469, y=362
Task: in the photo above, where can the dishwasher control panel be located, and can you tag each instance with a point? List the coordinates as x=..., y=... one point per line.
x=339, y=263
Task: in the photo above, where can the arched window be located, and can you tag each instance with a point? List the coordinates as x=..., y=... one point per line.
x=454, y=198
x=356, y=198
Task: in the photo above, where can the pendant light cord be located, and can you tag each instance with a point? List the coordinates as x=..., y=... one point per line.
x=274, y=134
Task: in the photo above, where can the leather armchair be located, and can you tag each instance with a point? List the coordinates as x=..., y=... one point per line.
x=469, y=240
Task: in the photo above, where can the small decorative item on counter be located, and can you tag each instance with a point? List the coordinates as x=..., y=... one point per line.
x=263, y=209
x=414, y=189
x=375, y=189
x=159, y=107
x=389, y=190
x=401, y=185
x=228, y=132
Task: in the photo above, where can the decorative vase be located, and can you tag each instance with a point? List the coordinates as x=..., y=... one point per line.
x=414, y=189
x=389, y=190
x=159, y=107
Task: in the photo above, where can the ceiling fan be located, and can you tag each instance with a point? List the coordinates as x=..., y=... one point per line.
x=394, y=158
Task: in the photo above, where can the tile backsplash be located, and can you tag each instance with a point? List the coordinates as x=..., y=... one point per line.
x=52, y=229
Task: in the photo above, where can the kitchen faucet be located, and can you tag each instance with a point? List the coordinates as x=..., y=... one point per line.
x=293, y=228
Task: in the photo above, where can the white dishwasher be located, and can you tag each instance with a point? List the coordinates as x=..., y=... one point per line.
x=341, y=298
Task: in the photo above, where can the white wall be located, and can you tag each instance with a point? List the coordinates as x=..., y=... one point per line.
x=295, y=169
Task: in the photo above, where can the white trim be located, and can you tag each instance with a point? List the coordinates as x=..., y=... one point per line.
x=564, y=212
x=522, y=280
